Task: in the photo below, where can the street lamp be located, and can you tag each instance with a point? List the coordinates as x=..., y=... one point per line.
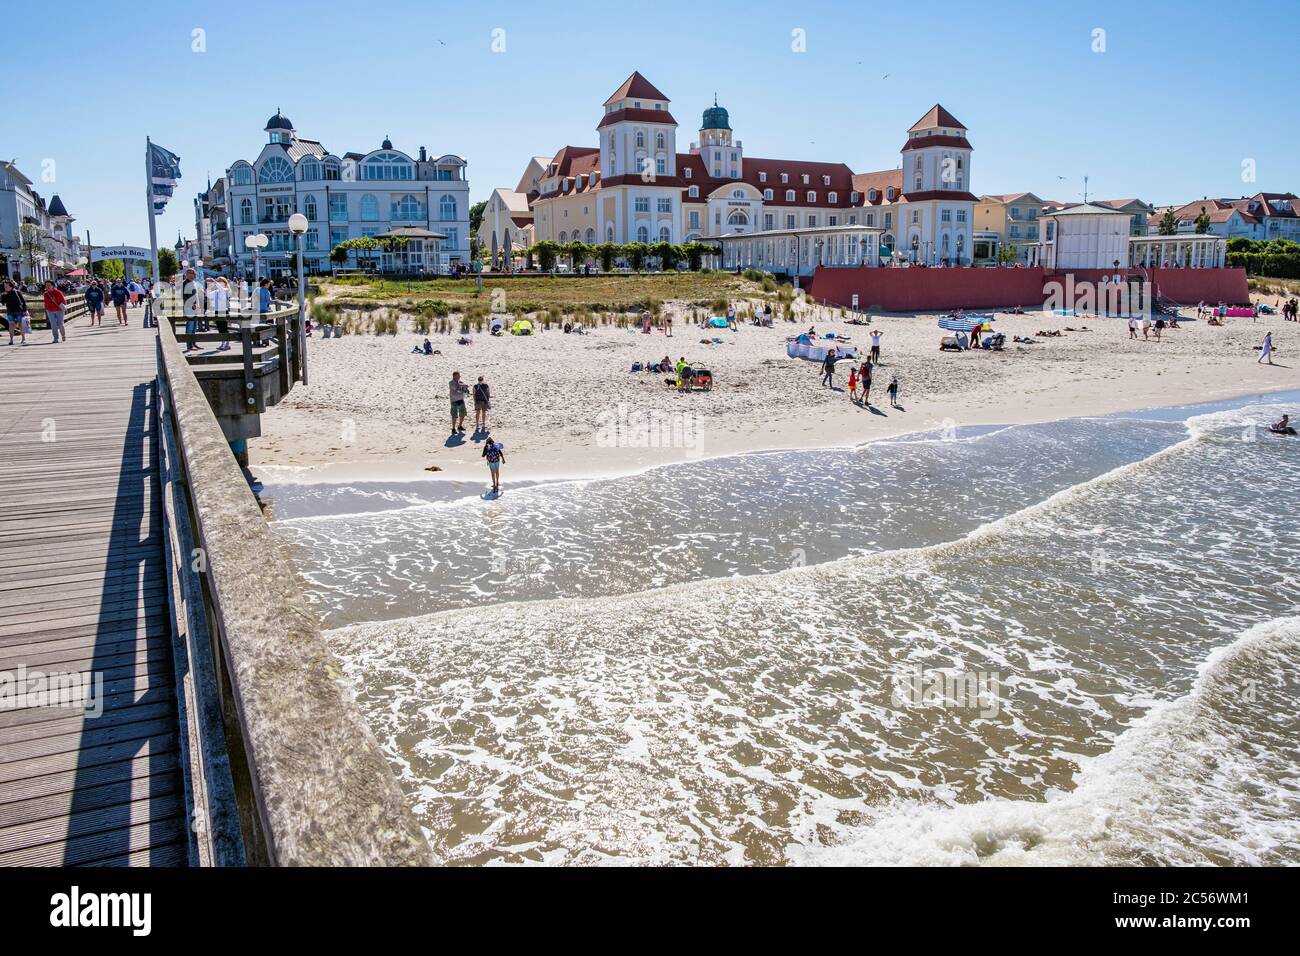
x=298, y=225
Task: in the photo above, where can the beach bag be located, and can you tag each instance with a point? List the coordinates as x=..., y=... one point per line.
x=636, y=366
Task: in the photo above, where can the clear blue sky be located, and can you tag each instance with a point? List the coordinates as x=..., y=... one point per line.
x=1182, y=94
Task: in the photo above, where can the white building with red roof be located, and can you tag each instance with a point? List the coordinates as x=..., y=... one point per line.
x=636, y=186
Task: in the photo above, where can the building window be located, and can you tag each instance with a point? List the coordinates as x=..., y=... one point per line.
x=564, y=236
x=407, y=209
x=871, y=219
x=832, y=197
x=661, y=166
x=961, y=215
x=332, y=169
x=640, y=139
x=275, y=170
x=642, y=234
x=945, y=215
x=916, y=216
x=642, y=204
x=309, y=171
x=805, y=179
x=369, y=208
x=311, y=240
x=688, y=172
x=665, y=234
x=767, y=220
x=659, y=140
x=453, y=238
x=387, y=166
x=832, y=220
x=664, y=205
x=338, y=207
x=812, y=221
x=309, y=208
x=693, y=192
x=853, y=219
x=447, y=209
x=245, y=211
x=853, y=197
x=789, y=195
x=242, y=176
x=762, y=177
x=789, y=220
x=591, y=236
x=812, y=195
x=785, y=177
x=338, y=237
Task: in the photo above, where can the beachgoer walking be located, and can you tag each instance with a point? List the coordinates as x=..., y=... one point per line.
x=495, y=453
x=482, y=402
x=828, y=369
x=864, y=382
x=55, y=305
x=853, y=385
x=1132, y=327
x=119, y=296
x=893, y=392
x=1146, y=328
x=95, y=303
x=1266, y=351
x=875, y=346
x=668, y=326
x=457, y=392
x=1160, y=327
x=15, y=311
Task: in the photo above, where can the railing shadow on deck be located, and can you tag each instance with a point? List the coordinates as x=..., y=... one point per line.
x=100, y=813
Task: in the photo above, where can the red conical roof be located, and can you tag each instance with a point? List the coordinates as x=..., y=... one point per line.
x=636, y=85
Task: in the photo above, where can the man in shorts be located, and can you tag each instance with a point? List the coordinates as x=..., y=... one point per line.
x=95, y=303
x=457, y=392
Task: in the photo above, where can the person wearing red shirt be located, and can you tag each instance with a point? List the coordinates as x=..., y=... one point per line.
x=55, y=302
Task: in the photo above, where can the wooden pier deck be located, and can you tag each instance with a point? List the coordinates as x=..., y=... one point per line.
x=83, y=589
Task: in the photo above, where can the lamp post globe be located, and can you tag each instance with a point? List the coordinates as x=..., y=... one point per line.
x=298, y=226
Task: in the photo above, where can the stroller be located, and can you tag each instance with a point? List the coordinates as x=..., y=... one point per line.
x=700, y=378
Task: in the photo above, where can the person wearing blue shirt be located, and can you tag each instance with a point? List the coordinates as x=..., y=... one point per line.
x=264, y=297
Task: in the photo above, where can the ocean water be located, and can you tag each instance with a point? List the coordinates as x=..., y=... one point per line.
x=1073, y=642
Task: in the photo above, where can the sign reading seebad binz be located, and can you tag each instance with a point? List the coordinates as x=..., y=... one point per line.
x=120, y=252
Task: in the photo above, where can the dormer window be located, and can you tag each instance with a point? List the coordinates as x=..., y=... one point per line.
x=832, y=197
x=853, y=197
x=873, y=195
x=688, y=172
x=694, y=191
x=637, y=104
x=656, y=106
x=826, y=180
x=891, y=192
x=805, y=179
x=762, y=177
x=767, y=194
x=785, y=177
x=812, y=195
x=789, y=195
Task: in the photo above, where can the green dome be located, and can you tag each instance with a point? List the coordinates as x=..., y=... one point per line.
x=715, y=117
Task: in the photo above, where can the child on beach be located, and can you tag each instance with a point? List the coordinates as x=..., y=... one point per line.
x=853, y=385
x=495, y=453
x=893, y=392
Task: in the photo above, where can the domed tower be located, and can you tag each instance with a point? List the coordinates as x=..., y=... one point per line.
x=280, y=128
x=722, y=157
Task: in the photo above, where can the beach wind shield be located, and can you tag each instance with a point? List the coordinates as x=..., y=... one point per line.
x=162, y=171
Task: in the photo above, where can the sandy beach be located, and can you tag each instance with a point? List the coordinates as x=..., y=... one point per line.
x=568, y=405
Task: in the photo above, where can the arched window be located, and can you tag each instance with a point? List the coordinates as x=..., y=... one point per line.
x=369, y=208
x=789, y=195
x=642, y=234
x=665, y=234
x=309, y=170
x=242, y=175
x=564, y=236
x=332, y=169
x=591, y=236
x=738, y=194
x=447, y=209
x=407, y=208
x=767, y=194
x=609, y=233
x=640, y=139
x=276, y=169
x=245, y=211
x=659, y=141
x=387, y=166
x=309, y=208
x=738, y=218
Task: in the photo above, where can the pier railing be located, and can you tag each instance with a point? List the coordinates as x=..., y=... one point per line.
x=281, y=767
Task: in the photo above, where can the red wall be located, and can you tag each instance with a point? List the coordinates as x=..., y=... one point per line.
x=929, y=290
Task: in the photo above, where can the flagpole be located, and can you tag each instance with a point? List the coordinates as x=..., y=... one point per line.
x=148, y=196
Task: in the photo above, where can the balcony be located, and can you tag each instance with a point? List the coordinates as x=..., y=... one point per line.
x=274, y=217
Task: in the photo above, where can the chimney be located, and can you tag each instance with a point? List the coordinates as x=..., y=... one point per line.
x=424, y=157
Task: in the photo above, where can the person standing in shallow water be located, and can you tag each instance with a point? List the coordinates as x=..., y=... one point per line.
x=495, y=453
